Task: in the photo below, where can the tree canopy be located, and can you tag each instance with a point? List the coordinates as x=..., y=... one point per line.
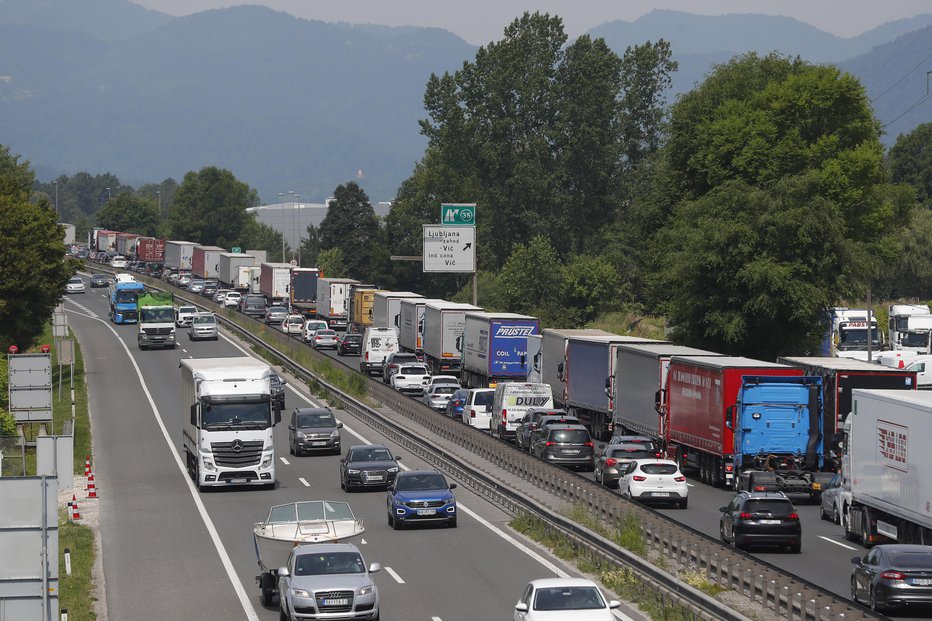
x=911, y=161
x=352, y=227
x=32, y=254
x=209, y=207
x=130, y=213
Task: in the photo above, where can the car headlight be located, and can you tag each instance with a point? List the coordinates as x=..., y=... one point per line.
x=208, y=465
x=172, y=333
x=300, y=593
x=366, y=590
x=352, y=471
x=266, y=462
x=393, y=470
x=299, y=434
x=335, y=434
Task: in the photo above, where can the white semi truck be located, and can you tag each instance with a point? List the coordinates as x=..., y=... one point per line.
x=228, y=421
x=885, y=467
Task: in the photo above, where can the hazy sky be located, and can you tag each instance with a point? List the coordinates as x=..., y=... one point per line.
x=481, y=21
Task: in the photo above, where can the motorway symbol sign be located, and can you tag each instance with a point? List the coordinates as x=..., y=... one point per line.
x=236, y=250
x=457, y=214
x=449, y=248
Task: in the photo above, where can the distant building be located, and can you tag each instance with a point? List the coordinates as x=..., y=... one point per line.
x=69, y=233
x=292, y=219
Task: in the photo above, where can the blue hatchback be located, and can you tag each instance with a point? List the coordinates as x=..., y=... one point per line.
x=421, y=496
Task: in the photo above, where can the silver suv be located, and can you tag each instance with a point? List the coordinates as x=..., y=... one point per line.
x=328, y=581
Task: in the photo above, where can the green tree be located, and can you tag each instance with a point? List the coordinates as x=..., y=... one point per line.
x=310, y=246
x=589, y=287
x=161, y=193
x=331, y=263
x=910, y=161
x=909, y=273
x=35, y=268
x=256, y=235
x=528, y=281
x=130, y=213
x=210, y=207
x=352, y=226
x=776, y=200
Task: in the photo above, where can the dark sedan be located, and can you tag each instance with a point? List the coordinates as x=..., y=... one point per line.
x=350, y=345
x=761, y=518
x=366, y=466
x=100, y=280
x=893, y=576
x=614, y=458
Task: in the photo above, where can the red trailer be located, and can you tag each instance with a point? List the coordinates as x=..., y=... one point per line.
x=205, y=262
x=150, y=250
x=699, y=392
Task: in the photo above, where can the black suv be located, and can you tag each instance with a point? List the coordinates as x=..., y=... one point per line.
x=565, y=445
x=530, y=422
x=278, y=389
x=761, y=518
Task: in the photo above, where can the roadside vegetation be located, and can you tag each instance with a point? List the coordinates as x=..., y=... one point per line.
x=77, y=591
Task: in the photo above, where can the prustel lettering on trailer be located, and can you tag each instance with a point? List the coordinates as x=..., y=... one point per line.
x=892, y=444
x=514, y=331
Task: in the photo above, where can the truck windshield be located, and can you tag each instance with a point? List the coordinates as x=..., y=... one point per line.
x=126, y=297
x=157, y=315
x=857, y=337
x=256, y=415
x=916, y=339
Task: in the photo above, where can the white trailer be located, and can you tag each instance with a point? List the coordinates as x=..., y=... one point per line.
x=444, y=323
x=275, y=282
x=228, y=421
x=260, y=256
x=179, y=255
x=247, y=279
x=333, y=301
x=411, y=324
x=230, y=262
x=386, y=309
x=885, y=467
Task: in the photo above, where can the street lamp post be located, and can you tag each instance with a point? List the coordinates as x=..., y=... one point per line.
x=281, y=198
x=298, y=240
x=55, y=183
x=108, y=194
x=159, y=194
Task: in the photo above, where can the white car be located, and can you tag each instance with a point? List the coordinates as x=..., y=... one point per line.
x=74, y=285
x=448, y=380
x=184, y=315
x=564, y=599
x=654, y=480
x=477, y=410
x=221, y=295
x=311, y=326
x=294, y=324
x=231, y=299
x=118, y=261
x=410, y=379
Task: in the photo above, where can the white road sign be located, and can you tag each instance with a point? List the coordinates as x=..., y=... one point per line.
x=449, y=248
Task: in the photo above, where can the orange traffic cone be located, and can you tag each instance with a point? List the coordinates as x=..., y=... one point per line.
x=87, y=465
x=75, y=515
x=91, y=487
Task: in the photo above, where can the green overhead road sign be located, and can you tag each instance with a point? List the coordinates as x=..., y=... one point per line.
x=456, y=214
x=237, y=250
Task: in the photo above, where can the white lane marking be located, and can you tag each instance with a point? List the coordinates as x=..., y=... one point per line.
x=304, y=482
x=363, y=542
x=391, y=572
x=284, y=461
x=195, y=495
x=838, y=543
x=184, y=350
x=689, y=484
x=495, y=529
x=436, y=619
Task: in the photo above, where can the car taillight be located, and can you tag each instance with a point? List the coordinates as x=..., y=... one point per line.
x=744, y=515
x=548, y=443
x=729, y=468
x=893, y=575
x=638, y=477
x=658, y=455
x=793, y=516
x=472, y=413
x=758, y=488
x=588, y=443
x=391, y=366
x=367, y=356
x=504, y=416
x=611, y=461
x=679, y=479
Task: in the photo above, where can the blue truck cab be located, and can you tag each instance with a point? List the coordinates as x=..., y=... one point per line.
x=124, y=292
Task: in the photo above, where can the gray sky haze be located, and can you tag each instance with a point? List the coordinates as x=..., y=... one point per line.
x=481, y=21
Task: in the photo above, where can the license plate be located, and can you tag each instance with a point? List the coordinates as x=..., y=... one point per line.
x=570, y=451
x=770, y=521
x=335, y=602
x=922, y=581
x=374, y=477
x=662, y=494
x=426, y=511
x=237, y=480
x=319, y=443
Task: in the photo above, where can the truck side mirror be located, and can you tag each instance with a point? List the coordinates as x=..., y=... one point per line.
x=560, y=368
x=278, y=414
x=194, y=414
x=658, y=402
x=730, y=416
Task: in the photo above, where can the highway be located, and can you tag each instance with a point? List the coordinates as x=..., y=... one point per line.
x=170, y=552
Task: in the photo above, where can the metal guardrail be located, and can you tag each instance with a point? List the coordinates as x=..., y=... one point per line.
x=787, y=595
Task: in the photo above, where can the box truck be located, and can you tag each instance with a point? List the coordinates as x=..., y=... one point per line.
x=230, y=262
x=553, y=358
x=333, y=301
x=150, y=250
x=495, y=348
x=361, y=301
x=275, y=282
x=698, y=394
x=885, y=461
x=205, y=261
x=179, y=255
x=303, y=290
x=411, y=324
x=386, y=310
x=126, y=244
x=442, y=338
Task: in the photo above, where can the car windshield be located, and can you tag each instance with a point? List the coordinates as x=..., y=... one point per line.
x=326, y=333
x=910, y=560
x=402, y=358
x=316, y=419
x=916, y=339
x=74, y=280
x=628, y=452
x=352, y=338
x=774, y=507
x=444, y=390
x=295, y=321
x=370, y=454
x=413, y=371
x=568, y=598
x=204, y=319
x=322, y=564
x=574, y=436
x=278, y=310
x=415, y=482
x=658, y=468
x=484, y=397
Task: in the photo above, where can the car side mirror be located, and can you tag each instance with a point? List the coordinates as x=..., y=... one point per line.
x=856, y=561
x=601, y=447
x=730, y=416
x=397, y=458
x=290, y=427
x=452, y=485
x=374, y=567
x=339, y=425
x=283, y=381
x=194, y=415
x=283, y=572
x=521, y=607
x=613, y=604
x=723, y=509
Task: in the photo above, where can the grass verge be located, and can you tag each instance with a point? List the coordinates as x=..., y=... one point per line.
x=76, y=592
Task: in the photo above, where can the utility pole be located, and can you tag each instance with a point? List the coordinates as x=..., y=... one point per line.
x=298, y=240
x=281, y=197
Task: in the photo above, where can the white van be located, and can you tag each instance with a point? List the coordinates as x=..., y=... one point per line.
x=922, y=365
x=511, y=402
x=377, y=344
x=477, y=408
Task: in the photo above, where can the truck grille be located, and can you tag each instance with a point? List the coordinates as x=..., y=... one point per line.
x=157, y=331
x=237, y=454
x=322, y=596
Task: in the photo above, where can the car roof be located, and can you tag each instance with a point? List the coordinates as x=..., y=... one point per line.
x=568, y=426
x=367, y=446
x=764, y=495
x=313, y=411
x=408, y=473
x=628, y=446
x=655, y=460
x=313, y=548
x=544, y=583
